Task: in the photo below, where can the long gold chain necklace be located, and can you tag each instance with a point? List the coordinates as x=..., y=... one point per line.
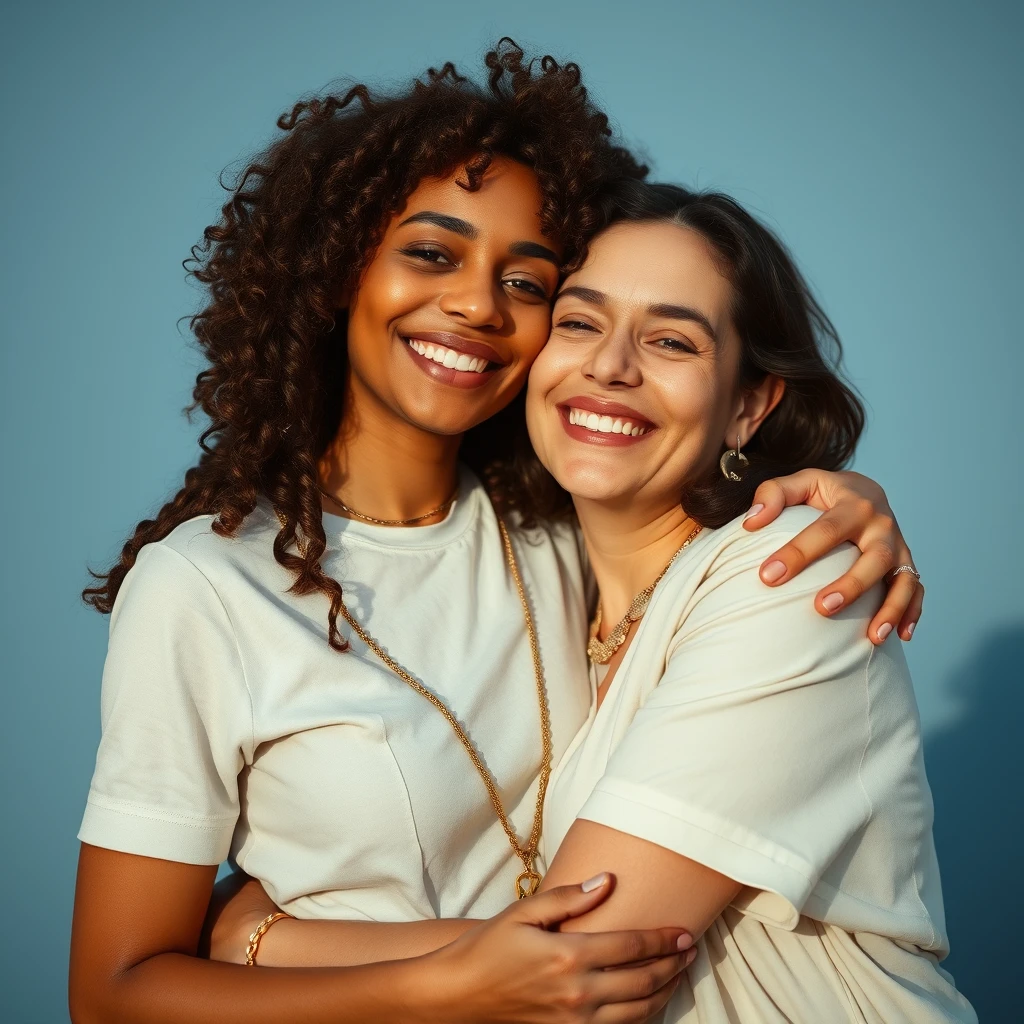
x=529, y=879
x=391, y=522
x=600, y=651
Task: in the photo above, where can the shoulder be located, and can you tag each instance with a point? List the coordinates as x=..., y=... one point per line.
x=192, y=563
x=733, y=550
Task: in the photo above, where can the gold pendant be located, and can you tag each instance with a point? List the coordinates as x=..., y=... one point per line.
x=526, y=884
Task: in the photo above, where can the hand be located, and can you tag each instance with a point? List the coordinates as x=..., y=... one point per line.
x=855, y=509
x=239, y=903
x=516, y=968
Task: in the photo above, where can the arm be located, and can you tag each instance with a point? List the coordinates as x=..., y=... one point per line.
x=741, y=768
x=856, y=510
x=240, y=903
x=137, y=925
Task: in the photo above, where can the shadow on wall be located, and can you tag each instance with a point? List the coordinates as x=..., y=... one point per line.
x=975, y=770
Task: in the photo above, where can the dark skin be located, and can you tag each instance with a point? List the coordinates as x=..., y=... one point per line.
x=138, y=921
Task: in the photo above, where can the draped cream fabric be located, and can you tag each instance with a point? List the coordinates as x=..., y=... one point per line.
x=747, y=732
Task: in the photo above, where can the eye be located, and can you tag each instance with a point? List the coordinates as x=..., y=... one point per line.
x=436, y=256
x=524, y=284
x=576, y=325
x=674, y=345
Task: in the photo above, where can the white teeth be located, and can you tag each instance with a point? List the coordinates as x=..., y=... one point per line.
x=449, y=357
x=604, y=424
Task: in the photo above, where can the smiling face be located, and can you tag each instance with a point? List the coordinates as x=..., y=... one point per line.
x=637, y=390
x=455, y=305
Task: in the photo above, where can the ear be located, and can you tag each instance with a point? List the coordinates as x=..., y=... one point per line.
x=753, y=407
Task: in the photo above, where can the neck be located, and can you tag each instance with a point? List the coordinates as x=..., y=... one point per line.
x=628, y=547
x=385, y=467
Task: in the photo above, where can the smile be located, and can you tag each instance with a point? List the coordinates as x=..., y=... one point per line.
x=609, y=424
x=604, y=424
x=449, y=359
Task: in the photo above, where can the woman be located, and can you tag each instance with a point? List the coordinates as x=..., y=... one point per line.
x=761, y=763
x=380, y=283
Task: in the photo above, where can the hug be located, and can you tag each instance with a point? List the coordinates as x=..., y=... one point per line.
x=479, y=639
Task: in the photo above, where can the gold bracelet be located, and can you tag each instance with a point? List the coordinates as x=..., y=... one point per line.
x=261, y=930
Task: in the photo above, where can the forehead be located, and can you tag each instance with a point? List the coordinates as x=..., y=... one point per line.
x=654, y=263
x=509, y=199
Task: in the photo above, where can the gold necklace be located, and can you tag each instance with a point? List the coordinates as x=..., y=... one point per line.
x=600, y=651
x=392, y=522
x=529, y=879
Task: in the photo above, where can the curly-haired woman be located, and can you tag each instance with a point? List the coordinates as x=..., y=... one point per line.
x=380, y=285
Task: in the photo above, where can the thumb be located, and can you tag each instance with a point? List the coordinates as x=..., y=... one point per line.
x=547, y=909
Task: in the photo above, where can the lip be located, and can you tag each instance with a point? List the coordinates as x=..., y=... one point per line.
x=478, y=349
x=605, y=408
x=594, y=437
x=465, y=379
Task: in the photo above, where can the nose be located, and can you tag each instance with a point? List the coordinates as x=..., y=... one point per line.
x=474, y=297
x=612, y=362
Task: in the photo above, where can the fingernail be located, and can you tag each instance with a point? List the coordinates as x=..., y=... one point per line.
x=593, y=883
x=773, y=571
x=883, y=630
x=910, y=629
x=691, y=956
x=754, y=509
x=832, y=602
x=685, y=941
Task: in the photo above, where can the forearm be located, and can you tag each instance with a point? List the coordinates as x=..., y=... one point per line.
x=292, y=943
x=172, y=988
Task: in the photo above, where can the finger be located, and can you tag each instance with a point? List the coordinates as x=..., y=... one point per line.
x=894, y=608
x=645, y=1007
x=913, y=614
x=769, y=501
x=559, y=904
x=627, y=984
x=828, y=531
x=869, y=568
x=614, y=949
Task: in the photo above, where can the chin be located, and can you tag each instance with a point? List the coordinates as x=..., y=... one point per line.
x=590, y=483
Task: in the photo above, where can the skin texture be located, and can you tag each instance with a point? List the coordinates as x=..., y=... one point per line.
x=138, y=921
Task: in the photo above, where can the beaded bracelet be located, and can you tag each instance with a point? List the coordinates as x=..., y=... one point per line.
x=261, y=930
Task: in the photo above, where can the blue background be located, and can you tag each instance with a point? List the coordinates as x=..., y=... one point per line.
x=884, y=140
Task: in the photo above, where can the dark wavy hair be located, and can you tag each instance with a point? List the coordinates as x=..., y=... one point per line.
x=783, y=331
x=302, y=222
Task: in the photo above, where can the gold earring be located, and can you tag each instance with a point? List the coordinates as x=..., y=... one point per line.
x=741, y=460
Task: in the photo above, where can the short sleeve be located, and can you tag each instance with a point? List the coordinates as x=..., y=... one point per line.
x=747, y=755
x=176, y=717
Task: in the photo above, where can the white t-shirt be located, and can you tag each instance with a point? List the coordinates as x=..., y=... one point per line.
x=229, y=725
x=747, y=732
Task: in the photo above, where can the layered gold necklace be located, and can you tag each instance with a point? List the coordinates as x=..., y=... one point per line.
x=528, y=879
x=600, y=651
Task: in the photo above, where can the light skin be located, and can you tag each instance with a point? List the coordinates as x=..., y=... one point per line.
x=652, y=532
x=477, y=269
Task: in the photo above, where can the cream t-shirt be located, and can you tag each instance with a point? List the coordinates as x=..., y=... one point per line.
x=230, y=726
x=745, y=731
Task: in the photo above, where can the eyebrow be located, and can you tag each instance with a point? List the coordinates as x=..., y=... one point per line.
x=540, y=252
x=466, y=230
x=661, y=309
x=442, y=220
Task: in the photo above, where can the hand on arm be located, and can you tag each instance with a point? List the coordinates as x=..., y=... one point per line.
x=653, y=885
x=137, y=926
x=855, y=509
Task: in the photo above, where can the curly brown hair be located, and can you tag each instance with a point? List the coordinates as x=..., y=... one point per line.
x=303, y=221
